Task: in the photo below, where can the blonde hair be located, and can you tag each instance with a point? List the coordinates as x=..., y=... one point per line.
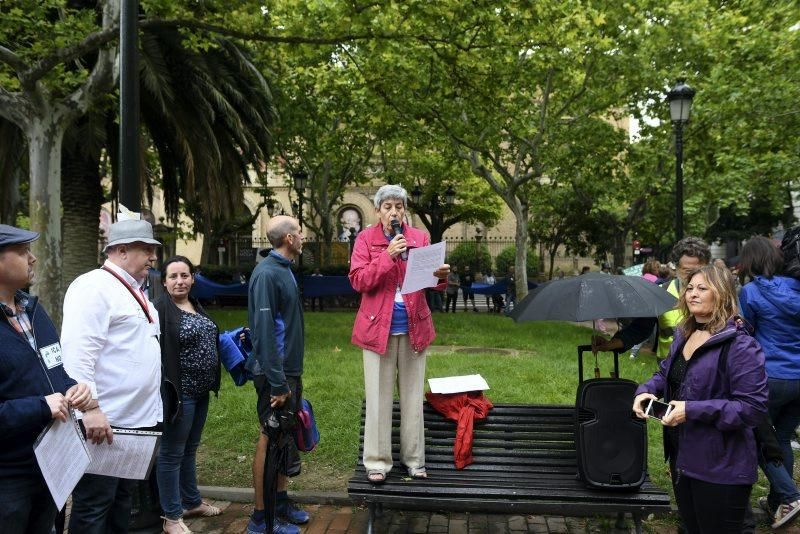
x=725, y=306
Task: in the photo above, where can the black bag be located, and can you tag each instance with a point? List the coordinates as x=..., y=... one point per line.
x=610, y=441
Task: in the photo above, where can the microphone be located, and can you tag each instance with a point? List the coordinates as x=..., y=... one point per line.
x=397, y=231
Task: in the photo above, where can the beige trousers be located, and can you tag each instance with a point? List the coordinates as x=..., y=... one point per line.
x=380, y=371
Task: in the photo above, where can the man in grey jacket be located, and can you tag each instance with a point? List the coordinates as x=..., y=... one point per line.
x=275, y=314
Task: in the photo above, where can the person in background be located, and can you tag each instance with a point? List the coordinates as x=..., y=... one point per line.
x=109, y=338
x=275, y=315
x=453, y=283
x=466, y=288
x=691, y=253
x=316, y=300
x=770, y=303
x=491, y=300
x=649, y=273
x=394, y=331
x=650, y=270
x=664, y=275
x=191, y=366
x=34, y=388
x=715, y=380
x=511, y=290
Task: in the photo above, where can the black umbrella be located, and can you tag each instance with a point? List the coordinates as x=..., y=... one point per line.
x=593, y=296
x=278, y=428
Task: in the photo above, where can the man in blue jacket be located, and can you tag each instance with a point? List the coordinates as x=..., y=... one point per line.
x=275, y=314
x=34, y=388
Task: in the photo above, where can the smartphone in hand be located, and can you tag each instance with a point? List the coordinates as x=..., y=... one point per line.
x=657, y=409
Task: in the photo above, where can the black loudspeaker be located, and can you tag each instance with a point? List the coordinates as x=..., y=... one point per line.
x=611, y=442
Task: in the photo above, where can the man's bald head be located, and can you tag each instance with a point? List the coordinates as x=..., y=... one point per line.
x=279, y=227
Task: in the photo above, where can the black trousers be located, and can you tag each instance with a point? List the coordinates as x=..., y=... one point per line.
x=707, y=508
x=451, y=299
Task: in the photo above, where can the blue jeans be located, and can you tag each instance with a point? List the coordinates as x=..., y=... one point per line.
x=26, y=506
x=176, y=470
x=781, y=485
x=101, y=505
x=784, y=412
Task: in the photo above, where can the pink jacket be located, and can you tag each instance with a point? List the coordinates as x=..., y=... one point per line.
x=375, y=275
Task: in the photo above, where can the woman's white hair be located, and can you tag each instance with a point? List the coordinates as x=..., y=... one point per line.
x=388, y=192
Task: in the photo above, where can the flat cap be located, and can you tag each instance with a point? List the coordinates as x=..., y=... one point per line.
x=11, y=235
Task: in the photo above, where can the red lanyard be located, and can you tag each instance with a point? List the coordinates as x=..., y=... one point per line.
x=141, y=300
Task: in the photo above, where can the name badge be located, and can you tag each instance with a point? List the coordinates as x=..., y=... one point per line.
x=51, y=354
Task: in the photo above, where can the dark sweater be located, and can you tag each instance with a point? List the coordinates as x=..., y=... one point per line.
x=24, y=412
x=273, y=294
x=169, y=318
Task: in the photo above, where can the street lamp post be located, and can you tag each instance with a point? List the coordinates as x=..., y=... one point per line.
x=680, y=105
x=434, y=207
x=300, y=179
x=352, y=239
x=478, y=238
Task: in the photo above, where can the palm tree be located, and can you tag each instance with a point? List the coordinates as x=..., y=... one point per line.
x=206, y=116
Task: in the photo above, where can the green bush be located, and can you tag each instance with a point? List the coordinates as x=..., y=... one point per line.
x=479, y=260
x=506, y=258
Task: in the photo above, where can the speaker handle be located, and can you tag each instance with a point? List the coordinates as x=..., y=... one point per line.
x=588, y=348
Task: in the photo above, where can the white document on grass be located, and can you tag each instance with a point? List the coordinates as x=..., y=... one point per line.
x=458, y=384
x=131, y=455
x=62, y=456
x=422, y=262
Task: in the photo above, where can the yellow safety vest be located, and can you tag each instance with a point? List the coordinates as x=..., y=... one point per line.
x=667, y=323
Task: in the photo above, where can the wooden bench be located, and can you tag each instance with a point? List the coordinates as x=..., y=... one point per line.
x=525, y=463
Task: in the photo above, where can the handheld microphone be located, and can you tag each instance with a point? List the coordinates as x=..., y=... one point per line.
x=396, y=228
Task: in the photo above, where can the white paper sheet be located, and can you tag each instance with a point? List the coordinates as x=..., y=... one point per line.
x=458, y=384
x=131, y=455
x=62, y=457
x=422, y=262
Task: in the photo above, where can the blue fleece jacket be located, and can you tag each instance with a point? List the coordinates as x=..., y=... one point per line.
x=772, y=308
x=23, y=386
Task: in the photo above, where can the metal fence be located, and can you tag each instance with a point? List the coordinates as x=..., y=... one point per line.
x=317, y=254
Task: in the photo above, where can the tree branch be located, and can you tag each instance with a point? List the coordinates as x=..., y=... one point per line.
x=11, y=59
x=101, y=79
x=15, y=108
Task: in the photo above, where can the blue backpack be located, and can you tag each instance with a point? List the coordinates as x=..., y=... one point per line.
x=233, y=353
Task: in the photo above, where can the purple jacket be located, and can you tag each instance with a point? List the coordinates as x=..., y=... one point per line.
x=716, y=440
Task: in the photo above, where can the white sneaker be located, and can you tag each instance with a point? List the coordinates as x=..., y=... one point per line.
x=795, y=445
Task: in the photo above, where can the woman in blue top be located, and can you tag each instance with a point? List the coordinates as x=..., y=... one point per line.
x=770, y=303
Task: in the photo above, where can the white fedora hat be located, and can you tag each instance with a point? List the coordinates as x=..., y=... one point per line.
x=130, y=231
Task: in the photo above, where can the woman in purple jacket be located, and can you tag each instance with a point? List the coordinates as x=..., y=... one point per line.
x=714, y=377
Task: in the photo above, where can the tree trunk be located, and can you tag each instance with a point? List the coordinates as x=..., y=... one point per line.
x=619, y=250
x=521, y=242
x=552, y=253
x=81, y=198
x=10, y=199
x=45, y=134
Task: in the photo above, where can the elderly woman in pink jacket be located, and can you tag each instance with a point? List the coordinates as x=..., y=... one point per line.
x=394, y=331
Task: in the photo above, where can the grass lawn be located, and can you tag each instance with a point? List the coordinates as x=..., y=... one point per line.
x=542, y=370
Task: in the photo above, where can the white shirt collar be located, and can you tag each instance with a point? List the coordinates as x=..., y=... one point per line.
x=135, y=284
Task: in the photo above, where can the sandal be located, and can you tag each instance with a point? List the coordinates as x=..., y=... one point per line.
x=417, y=472
x=204, y=510
x=376, y=477
x=171, y=526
